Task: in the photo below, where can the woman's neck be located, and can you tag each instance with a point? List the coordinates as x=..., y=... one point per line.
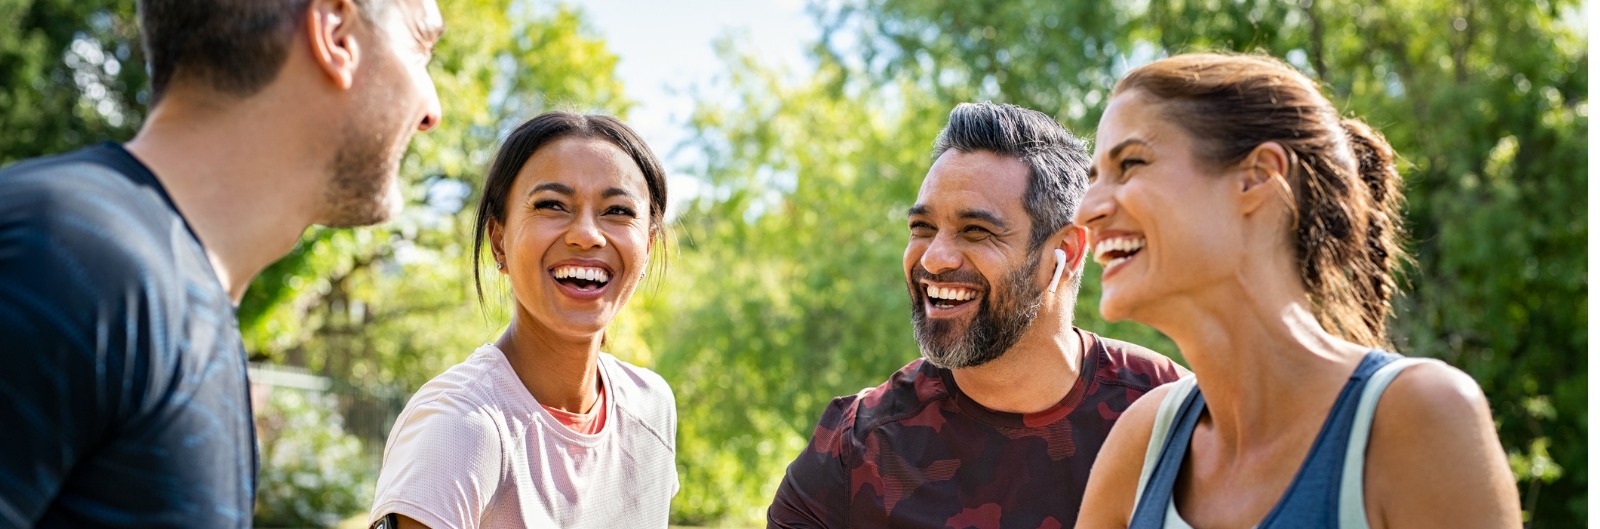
x=1259, y=355
x=560, y=372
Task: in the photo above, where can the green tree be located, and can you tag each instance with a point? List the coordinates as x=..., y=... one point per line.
x=71, y=73
x=788, y=289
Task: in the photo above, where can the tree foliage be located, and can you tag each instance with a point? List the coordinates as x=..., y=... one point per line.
x=785, y=286
x=792, y=290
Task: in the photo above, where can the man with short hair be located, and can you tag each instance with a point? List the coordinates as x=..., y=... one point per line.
x=123, y=392
x=998, y=423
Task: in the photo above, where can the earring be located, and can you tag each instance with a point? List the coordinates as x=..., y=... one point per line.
x=500, y=265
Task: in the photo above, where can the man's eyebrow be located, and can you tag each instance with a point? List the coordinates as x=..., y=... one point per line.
x=978, y=214
x=918, y=209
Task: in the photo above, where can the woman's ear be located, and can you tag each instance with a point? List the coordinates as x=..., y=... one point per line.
x=497, y=248
x=1263, y=175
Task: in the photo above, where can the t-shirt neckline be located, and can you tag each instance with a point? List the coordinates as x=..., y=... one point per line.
x=532, y=406
x=1092, y=350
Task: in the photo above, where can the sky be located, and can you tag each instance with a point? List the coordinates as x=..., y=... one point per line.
x=665, y=48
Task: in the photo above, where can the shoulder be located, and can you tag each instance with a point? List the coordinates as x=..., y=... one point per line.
x=1114, y=480
x=445, y=459
x=470, y=392
x=1431, y=398
x=453, y=417
x=92, y=182
x=1433, y=448
x=636, y=380
x=851, y=418
x=643, y=394
x=904, y=395
x=95, y=244
x=82, y=216
x=1130, y=365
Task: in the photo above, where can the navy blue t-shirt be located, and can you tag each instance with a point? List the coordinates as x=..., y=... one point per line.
x=123, y=394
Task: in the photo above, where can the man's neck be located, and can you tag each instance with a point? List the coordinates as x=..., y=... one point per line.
x=245, y=191
x=1034, y=375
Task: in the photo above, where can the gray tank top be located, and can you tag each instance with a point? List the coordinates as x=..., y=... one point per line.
x=1327, y=490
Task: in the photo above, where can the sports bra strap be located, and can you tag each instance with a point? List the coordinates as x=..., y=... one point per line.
x=1165, y=416
x=1352, y=494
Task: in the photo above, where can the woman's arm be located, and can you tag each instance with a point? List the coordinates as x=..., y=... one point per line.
x=1108, y=501
x=1434, y=459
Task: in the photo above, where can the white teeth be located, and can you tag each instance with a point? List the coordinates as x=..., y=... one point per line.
x=582, y=272
x=954, y=294
x=1119, y=244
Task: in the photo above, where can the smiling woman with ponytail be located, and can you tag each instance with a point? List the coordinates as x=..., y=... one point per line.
x=1266, y=233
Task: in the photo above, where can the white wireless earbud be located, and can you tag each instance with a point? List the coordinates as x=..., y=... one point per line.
x=1061, y=264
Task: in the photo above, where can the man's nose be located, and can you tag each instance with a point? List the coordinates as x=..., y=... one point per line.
x=941, y=256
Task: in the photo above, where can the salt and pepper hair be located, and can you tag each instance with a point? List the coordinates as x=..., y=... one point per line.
x=1058, y=162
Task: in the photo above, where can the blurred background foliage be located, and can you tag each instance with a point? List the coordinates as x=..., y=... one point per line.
x=784, y=286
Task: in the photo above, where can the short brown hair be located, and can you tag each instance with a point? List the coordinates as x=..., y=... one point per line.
x=1347, y=196
x=236, y=46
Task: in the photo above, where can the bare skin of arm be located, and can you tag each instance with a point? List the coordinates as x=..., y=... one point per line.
x=1108, y=500
x=1434, y=459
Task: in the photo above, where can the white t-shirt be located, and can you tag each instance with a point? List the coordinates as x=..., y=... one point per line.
x=473, y=449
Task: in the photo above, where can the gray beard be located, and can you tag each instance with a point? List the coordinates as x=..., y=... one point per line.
x=1001, y=320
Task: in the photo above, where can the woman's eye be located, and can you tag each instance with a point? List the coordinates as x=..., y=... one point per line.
x=1130, y=163
x=621, y=210
x=550, y=204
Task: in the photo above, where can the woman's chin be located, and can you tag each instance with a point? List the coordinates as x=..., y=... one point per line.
x=1110, y=311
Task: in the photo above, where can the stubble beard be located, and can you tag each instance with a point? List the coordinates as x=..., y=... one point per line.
x=1001, y=320
x=364, y=187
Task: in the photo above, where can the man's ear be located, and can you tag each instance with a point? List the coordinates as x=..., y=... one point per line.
x=330, y=29
x=1074, y=240
x=1263, y=175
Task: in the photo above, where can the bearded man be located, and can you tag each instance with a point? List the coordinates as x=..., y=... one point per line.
x=998, y=424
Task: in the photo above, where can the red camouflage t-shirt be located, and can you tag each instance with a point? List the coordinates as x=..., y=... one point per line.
x=917, y=452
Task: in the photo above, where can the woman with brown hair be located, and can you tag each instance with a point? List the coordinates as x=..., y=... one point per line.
x=1233, y=210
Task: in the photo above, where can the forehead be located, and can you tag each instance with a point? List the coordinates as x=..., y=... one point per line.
x=423, y=15
x=582, y=163
x=1131, y=114
x=977, y=180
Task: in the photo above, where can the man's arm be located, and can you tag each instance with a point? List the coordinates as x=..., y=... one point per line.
x=815, y=492
x=50, y=388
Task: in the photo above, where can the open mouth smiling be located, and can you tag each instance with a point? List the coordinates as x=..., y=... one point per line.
x=949, y=297
x=1110, y=253
x=582, y=278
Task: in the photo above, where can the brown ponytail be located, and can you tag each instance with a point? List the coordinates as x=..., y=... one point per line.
x=1346, y=227
x=1375, y=165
